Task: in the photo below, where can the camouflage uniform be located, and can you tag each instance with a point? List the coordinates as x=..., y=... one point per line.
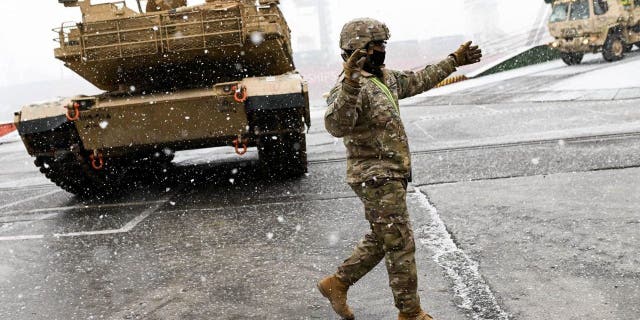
x=378, y=168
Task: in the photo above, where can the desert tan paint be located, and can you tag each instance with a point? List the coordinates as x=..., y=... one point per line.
x=572, y=35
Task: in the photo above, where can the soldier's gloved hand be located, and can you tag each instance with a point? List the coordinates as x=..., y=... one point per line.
x=353, y=68
x=467, y=54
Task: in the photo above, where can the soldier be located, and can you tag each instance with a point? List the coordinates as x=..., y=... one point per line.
x=363, y=108
x=163, y=5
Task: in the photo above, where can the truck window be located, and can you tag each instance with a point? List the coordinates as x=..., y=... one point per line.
x=601, y=7
x=579, y=10
x=559, y=13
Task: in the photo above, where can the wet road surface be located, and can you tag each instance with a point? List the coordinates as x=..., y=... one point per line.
x=523, y=207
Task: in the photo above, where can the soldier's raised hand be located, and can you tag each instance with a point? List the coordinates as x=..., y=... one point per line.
x=467, y=54
x=353, y=67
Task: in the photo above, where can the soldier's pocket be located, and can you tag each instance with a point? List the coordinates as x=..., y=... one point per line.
x=398, y=236
x=391, y=236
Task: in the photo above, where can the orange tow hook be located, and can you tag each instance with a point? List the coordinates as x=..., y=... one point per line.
x=239, y=93
x=236, y=144
x=76, y=112
x=97, y=162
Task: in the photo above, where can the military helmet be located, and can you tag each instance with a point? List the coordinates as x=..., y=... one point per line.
x=356, y=34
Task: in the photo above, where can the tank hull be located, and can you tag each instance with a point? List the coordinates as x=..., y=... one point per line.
x=187, y=119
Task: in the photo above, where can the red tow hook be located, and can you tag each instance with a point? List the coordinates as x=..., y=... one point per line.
x=76, y=111
x=239, y=93
x=236, y=144
x=97, y=161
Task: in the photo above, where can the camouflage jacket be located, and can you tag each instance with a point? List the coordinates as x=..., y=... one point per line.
x=369, y=120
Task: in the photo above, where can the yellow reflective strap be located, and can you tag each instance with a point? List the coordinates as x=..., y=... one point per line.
x=386, y=91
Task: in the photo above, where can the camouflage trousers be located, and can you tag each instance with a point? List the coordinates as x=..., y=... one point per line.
x=391, y=238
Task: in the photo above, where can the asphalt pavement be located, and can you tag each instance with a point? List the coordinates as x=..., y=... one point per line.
x=522, y=209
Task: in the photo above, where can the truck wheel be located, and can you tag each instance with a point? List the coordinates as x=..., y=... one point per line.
x=613, y=49
x=571, y=58
x=283, y=155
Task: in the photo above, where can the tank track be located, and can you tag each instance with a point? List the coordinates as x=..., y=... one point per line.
x=71, y=171
x=284, y=156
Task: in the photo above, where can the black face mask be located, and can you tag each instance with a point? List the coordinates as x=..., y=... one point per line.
x=374, y=63
x=377, y=58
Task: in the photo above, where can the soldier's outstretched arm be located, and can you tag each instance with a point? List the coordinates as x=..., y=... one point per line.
x=410, y=83
x=344, y=100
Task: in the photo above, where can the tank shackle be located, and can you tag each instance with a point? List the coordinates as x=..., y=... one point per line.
x=76, y=111
x=236, y=144
x=239, y=93
x=97, y=161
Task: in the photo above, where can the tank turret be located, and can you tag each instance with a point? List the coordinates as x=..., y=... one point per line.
x=177, y=48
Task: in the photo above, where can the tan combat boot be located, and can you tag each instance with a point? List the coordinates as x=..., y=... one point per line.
x=417, y=316
x=335, y=290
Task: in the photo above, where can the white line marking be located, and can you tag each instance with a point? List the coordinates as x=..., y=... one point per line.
x=99, y=206
x=15, y=238
x=124, y=229
x=424, y=131
x=29, y=199
x=475, y=295
x=133, y=223
x=25, y=218
x=486, y=108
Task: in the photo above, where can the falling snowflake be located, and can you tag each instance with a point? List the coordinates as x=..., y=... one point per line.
x=535, y=161
x=333, y=238
x=281, y=219
x=257, y=38
x=270, y=235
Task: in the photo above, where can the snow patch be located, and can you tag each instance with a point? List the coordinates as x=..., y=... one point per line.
x=622, y=74
x=469, y=286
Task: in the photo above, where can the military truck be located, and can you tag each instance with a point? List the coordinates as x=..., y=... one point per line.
x=216, y=74
x=582, y=26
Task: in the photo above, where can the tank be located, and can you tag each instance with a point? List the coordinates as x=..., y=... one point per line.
x=590, y=26
x=174, y=78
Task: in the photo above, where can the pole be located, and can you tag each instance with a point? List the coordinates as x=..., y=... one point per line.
x=139, y=6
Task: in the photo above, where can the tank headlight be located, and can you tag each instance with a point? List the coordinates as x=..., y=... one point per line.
x=585, y=42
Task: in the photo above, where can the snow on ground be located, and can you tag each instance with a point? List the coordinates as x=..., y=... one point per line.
x=10, y=137
x=494, y=78
x=593, y=74
x=622, y=74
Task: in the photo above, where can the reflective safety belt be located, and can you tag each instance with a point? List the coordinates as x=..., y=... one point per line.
x=386, y=91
